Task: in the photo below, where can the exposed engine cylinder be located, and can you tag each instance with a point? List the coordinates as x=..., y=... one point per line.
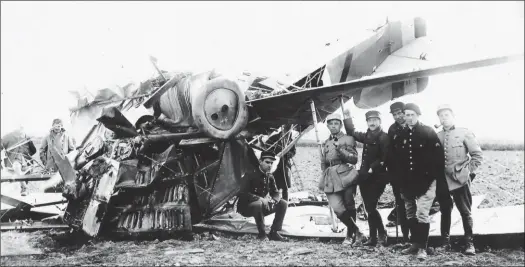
x=215, y=105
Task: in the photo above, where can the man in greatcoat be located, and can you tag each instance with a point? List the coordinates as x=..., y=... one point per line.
x=59, y=139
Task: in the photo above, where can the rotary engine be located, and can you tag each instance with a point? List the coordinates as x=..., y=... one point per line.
x=215, y=105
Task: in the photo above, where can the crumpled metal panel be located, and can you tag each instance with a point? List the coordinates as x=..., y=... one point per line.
x=237, y=159
x=88, y=210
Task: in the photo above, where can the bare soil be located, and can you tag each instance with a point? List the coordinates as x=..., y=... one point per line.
x=500, y=178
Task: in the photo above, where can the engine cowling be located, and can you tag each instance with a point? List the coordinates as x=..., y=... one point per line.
x=212, y=103
x=219, y=108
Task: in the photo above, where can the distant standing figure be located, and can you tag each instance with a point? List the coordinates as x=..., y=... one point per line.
x=463, y=156
x=58, y=138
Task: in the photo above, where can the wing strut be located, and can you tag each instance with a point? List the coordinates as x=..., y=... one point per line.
x=314, y=118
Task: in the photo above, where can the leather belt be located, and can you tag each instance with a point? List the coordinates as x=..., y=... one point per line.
x=334, y=162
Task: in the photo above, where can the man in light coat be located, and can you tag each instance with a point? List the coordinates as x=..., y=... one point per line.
x=59, y=139
x=339, y=155
x=463, y=156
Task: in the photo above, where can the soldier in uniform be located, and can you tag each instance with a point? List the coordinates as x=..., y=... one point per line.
x=339, y=180
x=373, y=176
x=254, y=200
x=283, y=172
x=394, y=133
x=420, y=165
x=59, y=139
x=463, y=156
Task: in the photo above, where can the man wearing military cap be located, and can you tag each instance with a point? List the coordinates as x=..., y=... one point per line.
x=394, y=133
x=420, y=165
x=339, y=180
x=463, y=156
x=373, y=176
x=254, y=200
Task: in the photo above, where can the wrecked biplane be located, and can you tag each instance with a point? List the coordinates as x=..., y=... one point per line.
x=173, y=151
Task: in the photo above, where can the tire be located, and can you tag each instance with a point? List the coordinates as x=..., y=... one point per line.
x=219, y=109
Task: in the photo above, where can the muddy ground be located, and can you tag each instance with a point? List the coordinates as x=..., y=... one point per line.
x=500, y=179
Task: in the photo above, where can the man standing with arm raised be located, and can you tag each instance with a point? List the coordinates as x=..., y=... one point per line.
x=372, y=173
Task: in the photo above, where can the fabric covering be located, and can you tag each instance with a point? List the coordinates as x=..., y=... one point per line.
x=314, y=221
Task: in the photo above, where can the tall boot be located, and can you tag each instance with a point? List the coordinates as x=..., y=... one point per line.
x=280, y=212
x=403, y=221
x=405, y=230
x=468, y=224
x=412, y=225
x=381, y=231
x=414, y=234
x=359, y=236
x=372, y=231
x=261, y=227
x=345, y=218
x=351, y=228
x=445, y=229
x=424, y=229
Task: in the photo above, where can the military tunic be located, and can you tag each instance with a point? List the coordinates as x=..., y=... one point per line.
x=375, y=148
x=395, y=132
x=420, y=160
x=372, y=185
x=458, y=144
x=253, y=201
x=259, y=185
x=335, y=162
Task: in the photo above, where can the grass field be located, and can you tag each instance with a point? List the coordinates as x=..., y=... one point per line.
x=500, y=178
x=488, y=145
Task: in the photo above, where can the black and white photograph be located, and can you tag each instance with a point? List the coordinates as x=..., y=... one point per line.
x=262, y=133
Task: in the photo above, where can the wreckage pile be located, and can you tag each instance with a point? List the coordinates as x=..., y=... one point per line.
x=153, y=170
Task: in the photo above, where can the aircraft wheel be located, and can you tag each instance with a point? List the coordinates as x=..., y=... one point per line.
x=219, y=109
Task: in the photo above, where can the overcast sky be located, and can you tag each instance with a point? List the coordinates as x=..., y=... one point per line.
x=48, y=48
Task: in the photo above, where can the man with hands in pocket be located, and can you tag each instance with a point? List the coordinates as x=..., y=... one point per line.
x=463, y=156
x=373, y=176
